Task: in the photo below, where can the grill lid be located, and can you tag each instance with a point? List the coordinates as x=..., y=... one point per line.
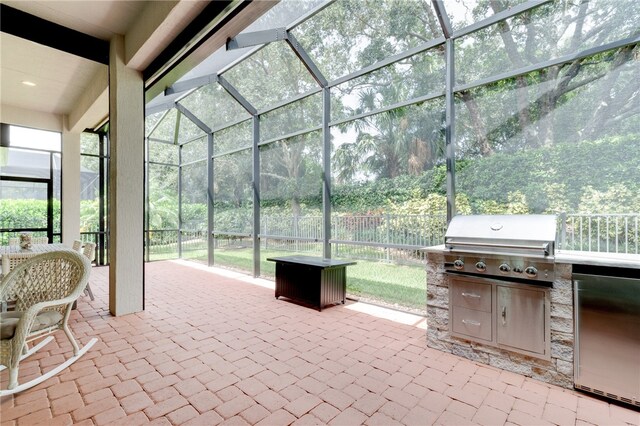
x=517, y=234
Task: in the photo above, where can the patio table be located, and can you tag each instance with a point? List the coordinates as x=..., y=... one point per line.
x=313, y=280
x=34, y=250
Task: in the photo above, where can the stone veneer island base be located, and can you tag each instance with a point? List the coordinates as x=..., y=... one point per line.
x=558, y=370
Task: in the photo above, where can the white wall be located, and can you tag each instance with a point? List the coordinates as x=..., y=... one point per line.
x=70, y=162
x=37, y=120
x=70, y=187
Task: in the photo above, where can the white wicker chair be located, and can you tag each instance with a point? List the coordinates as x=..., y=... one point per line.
x=39, y=240
x=44, y=288
x=14, y=241
x=77, y=245
x=11, y=260
x=90, y=252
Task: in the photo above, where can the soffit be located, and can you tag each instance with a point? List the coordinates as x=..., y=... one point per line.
x=101, y=19
x=60, y=77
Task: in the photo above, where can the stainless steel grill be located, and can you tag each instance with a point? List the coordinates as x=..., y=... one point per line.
x=502, y=246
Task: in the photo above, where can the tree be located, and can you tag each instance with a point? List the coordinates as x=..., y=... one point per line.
x=290, y=172
x=388, y=145
x=585, y=99
x=536, y=101
x=350, y=35
x=233, y=192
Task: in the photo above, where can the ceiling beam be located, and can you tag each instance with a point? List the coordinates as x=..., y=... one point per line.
x=137, y=45
x=197, y=29
x=228, y=25
x=256, y=38
x=154, y=28
x=41, y=31
x=92, y=106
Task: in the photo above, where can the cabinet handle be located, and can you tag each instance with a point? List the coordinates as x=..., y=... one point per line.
x=469, y=322
x=504, y=315
x=473, y=295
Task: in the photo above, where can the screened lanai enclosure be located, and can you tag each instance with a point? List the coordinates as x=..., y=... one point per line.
x=356, y=128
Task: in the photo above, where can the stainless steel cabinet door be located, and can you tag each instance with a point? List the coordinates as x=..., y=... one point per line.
x=608, y=335
x=520, y=318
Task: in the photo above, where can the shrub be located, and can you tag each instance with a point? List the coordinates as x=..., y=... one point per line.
x=26, y=213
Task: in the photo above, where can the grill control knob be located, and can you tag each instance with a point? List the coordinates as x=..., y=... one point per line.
x=504, y=268
x=531, y=271
x=481, y=266
x=458, y=264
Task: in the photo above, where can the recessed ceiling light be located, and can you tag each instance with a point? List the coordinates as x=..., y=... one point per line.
x=28, y=83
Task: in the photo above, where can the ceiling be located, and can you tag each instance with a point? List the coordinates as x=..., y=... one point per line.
x=101, y=19
x=61, y=78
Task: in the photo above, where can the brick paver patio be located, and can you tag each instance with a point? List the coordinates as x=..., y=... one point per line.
x=214, y=349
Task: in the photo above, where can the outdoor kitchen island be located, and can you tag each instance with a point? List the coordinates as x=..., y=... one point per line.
x=471, y=291
x=555, y=367
x=495, y=295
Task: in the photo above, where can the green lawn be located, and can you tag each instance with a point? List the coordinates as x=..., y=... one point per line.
x=399, y=285
x=389, y=283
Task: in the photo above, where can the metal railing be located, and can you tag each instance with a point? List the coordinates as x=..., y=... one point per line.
x=607, y=233
x=165, y=244
x=100, y=239
x=391, y=230
x=307, y=227
x=390, y=237
x=194, y=244
x=161, y=244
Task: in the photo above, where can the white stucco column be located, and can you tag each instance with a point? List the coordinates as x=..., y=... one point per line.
x=126, y=171
x=70, y=187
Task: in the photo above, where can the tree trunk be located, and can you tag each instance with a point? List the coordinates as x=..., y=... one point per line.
x=296, y=210
x=292, y=160
x=522, y=90
x=609, y=103
x=432, y=21
x=577, y=34
x=479, y=130
x=547, y=105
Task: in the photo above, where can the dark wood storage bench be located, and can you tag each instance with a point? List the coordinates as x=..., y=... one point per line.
x=313, y=280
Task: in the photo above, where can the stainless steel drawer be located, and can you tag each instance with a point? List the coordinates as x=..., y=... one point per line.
x=471, y=323
x=469, y=295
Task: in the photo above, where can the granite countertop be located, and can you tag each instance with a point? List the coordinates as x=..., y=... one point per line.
x=620, y=260
x=433, y=249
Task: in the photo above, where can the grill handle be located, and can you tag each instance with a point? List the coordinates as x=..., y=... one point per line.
x=544, y=247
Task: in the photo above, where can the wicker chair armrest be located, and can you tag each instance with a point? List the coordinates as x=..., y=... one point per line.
x=26, y=322
x=28, y=317
x=38, y=307
x=6, y=287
